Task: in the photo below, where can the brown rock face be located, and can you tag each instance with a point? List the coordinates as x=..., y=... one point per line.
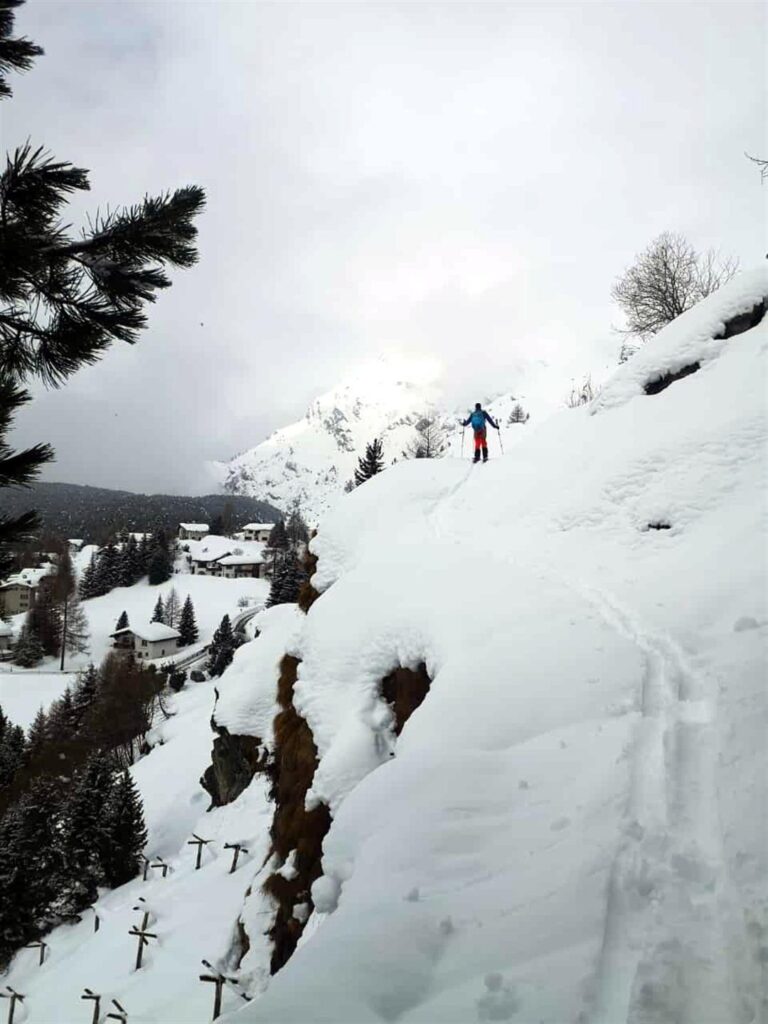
x=235, y=761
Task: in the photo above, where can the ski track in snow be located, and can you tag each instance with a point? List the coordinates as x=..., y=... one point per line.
x=667, y=880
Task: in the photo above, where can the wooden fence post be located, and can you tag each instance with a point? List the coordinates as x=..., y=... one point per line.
x=96, y=1004
x=42, y=946
x=15, y=997
x=199, y=843
x=160, y=863
x=220, y=980
x=121, y=1015
x=237, y=847
x=144, y=937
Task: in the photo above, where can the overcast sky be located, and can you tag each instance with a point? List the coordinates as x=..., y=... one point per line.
x=461, y=180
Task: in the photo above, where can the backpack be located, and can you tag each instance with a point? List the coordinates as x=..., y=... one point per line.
x=477, y=419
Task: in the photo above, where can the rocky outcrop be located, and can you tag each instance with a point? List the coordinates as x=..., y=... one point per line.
x=297, y=833
x=404, y=690
x=744, y=321
x=235, y=761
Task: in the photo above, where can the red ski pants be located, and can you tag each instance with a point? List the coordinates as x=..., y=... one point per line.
x=480, y=439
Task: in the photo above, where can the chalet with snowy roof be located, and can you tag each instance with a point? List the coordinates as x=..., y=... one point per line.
x=257, y=531
x=206, y=563
x=19, y=592
x=155, y=640
x=193, y=531
x=238, y=567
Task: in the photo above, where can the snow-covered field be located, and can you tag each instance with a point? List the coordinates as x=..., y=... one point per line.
x=22, y=692
x=571, y=828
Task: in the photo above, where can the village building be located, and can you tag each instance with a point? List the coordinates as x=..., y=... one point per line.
x=155, y=640
x=207, y=563
x=19, y=592
x=193, y=531
x=237, y=567
x=257, y=531
x=6, y=641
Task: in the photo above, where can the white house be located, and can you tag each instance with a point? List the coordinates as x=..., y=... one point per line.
x=207, y=563
x=193, y=531
x=257, y=531
x=154, y=640
x=237, y=567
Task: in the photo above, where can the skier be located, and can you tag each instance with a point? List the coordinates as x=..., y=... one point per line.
x=478, y=419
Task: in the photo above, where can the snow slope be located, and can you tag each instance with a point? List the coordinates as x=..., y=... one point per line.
x=310, y=461
x=572, y=825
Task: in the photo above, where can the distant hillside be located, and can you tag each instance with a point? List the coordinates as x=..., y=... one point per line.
x=73, y=510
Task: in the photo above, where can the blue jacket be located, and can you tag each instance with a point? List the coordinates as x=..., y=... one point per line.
x=478, y=418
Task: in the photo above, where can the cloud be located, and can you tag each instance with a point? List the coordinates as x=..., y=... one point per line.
x=455, y=180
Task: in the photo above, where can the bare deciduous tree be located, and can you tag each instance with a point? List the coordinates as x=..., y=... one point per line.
x=666, y=279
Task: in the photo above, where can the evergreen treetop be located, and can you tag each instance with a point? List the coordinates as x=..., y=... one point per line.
x=64, y=298
x=371, y=463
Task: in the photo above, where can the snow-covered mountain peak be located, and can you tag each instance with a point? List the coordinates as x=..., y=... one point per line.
x=310, y=460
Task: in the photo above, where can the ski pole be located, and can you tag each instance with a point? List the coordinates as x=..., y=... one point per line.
x=462, y=441
x=501, y=443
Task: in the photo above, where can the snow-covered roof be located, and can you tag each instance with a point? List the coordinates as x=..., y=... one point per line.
x=197, y=527
x=258, y=526
x=241, y=560
x=152, y=631
x=27, y=577
x=208, y=557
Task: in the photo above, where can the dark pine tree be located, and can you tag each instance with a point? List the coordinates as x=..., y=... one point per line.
x=160, y=564
x=33, y=875
x=84, y=696
x=187, y=624
x=12, y=751
x=88, y=580
x=286, y=581
x=66, y=297
x=62, y=718
x=27, y=650
x=125, y=832
x=296, y=529
x=122, y=621
x=222, y=648
x=37, y=736
x=277, y=545
x=371, y=463
x=43, y=619
x=107, y=569
x=158, y=615
x=130, y=565
x=85, y=831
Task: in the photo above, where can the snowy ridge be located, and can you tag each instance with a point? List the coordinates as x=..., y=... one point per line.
x=310, y=461
x=553, y=836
